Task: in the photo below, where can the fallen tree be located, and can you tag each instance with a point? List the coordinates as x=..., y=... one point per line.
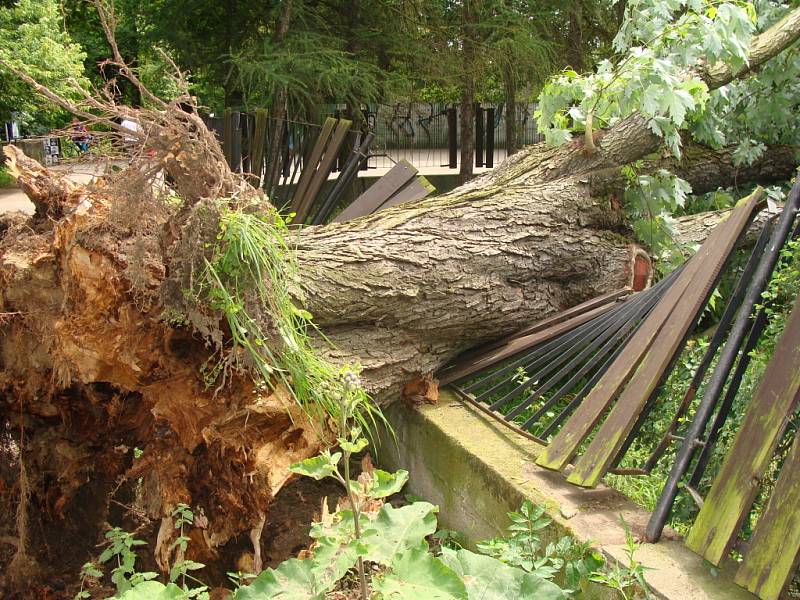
x=112, y=342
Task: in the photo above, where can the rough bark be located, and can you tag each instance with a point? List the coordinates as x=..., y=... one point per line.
x=510, y=84
x=705, y=169
x=474, y=264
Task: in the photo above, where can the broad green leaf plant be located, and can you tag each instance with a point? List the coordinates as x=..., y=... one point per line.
x=392, y=539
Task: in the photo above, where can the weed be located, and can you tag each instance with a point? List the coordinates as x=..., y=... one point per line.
x=568, y=559
x=88, y=571
x=120, y=549
x=625, y=580
x=180, y=570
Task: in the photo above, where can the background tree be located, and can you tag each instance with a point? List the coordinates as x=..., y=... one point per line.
x=32, y=39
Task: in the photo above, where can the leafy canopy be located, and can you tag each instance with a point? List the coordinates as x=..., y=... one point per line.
x=661, y=48
x=659, y=45
x=32, y=40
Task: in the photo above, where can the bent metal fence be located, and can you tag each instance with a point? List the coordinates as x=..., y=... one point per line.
x=584, y=382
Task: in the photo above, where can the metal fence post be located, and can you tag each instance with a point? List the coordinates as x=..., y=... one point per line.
x=452, y=137
x=489, y=137
x=478, y=135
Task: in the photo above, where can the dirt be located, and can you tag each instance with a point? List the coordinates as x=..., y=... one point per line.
x=286, y=534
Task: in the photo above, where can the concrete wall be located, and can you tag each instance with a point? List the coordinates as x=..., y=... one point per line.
x=477, y=470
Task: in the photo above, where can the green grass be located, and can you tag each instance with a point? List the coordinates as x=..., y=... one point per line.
x=247, y=280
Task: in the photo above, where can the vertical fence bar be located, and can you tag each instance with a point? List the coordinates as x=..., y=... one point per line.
x=258, y=146
x=227, y=136
x=236, y=142
x=478, y=135
x=489, y=137
x=247, y=140
x=452, y=137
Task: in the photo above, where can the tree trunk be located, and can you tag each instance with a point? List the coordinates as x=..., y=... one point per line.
x=93, y=363
x=404, y=290
x=469, y=55
x=279, y=109
x=511, y=112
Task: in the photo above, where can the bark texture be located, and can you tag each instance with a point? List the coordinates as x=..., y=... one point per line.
x=405, y=290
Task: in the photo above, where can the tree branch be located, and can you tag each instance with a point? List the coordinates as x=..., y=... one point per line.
x=762, y=48
x=705, y=169
x=632, y=138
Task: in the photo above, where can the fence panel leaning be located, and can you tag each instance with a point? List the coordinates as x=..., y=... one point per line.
x=585, y=384
x=292, y=160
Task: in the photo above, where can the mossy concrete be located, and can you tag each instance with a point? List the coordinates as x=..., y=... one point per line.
x=477, y=470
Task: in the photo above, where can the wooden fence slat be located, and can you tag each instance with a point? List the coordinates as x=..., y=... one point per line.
x=612, y=434
x=310, y=166
x=227, y=136
x=736, y=485
x=772, y=555
x=566, y=442
x=324, y=169
x=379, y=192
x=417, y=189
x=257, y=145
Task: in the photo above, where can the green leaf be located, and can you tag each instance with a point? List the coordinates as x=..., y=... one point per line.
x=398, y=529
x=386, y=484
x=318, y=467
x=341, y=528
x=487, y=578
x=307, y=579
x=353, y=447
x=299, y=312
x=332, y=560
x=419, y=576
x=153, y=590
x=293, y=580
x=89, y=570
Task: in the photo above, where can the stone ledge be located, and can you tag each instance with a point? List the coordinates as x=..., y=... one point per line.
x=476, y=470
